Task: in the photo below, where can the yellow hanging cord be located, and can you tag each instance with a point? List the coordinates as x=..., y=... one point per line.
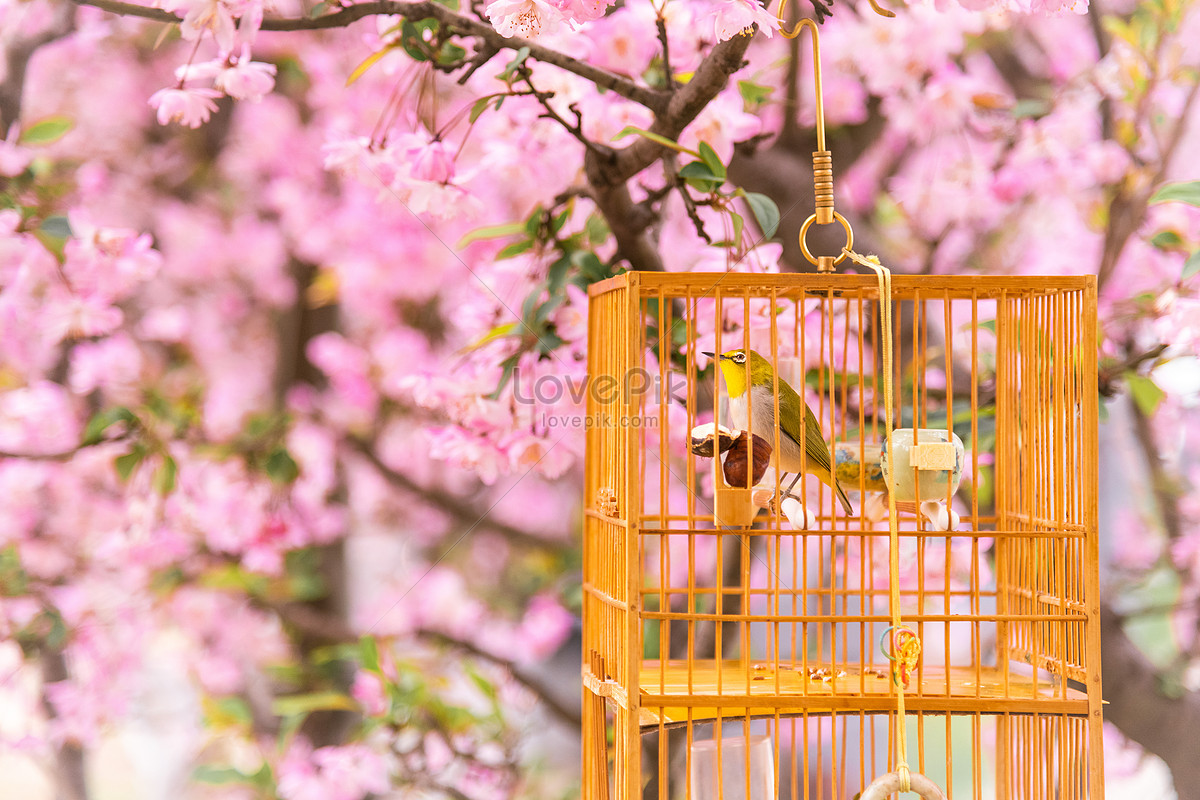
x=910, y=650
x=906, y=646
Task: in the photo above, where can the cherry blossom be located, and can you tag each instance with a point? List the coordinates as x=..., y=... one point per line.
x=190, y=107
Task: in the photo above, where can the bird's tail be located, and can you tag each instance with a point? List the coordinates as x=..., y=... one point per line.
x=842, y=496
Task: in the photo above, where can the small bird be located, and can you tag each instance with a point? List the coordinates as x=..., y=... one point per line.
x=793, y=429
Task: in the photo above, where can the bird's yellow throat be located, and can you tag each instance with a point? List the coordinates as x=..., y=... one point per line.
x=735, y=377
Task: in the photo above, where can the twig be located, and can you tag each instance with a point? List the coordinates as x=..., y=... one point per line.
x=330, y=630
x=666, y=50
x=456, y=23
x=484, y=53
x=570, y=716
x=64, y=455
x=1110, y=375
x=452, y=504
x=575, y=129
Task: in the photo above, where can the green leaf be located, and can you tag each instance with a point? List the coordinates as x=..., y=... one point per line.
x=369, y=653
x=217, y=776
x=1030, y=108
x=596, y=229
x=281, y=467
x=318, y=10
x=557, y=223
x=557, y=274
x=542, y=315
x=739, y=223
x=510, y=69
x=754, y=94
x=712, y=160
x=589, y=266
x=1191, y=266
x=46, y=131
x=533, y=222
x=477, y=110
x=102, y=421
x=57, y=636
x=451, y=54
x=58, y=227
x=654, y=137
x=127, y=463
x=514, y=249
x=315, y=701
x=549, y=342
x=766, y=213
x=498, y=332
x=164, y=476
x=509, y=365
x=1178, y=193
x=486, y=687
x=1146, y=393
x=1166, y=240
x=491, y=231
x=700, y=177
x=229, y=710
x=367, y=63
x=412, y=41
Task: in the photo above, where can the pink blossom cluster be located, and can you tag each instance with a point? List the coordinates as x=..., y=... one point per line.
x=296, y=306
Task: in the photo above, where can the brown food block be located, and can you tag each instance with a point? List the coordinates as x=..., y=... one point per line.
x=738, y=459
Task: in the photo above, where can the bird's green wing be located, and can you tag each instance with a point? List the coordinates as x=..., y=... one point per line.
x=817, y=451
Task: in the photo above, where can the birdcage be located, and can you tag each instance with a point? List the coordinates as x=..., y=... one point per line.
x=732, y=650
x=752, y=634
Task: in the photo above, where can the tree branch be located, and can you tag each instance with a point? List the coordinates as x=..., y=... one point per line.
x=330, y=630
x=450, y=503
x=1138, y=706
x=16, y=56
x=69, y=757
x=1110, y=374
x=570, y=716
x=608, y=172
x=456, y=23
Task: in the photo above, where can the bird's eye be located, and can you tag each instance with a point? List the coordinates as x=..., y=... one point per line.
x=739, y=358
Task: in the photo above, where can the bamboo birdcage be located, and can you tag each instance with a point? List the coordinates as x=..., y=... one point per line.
x=753, y=647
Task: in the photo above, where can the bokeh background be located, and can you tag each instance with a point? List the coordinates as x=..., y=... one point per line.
x=278, y=515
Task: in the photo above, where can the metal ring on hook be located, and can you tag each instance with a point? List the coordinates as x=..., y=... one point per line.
x=883, y=786
x=804, y=245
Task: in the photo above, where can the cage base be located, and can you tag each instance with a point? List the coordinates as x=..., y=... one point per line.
x=674, y=694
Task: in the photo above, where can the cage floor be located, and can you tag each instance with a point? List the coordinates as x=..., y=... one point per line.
x=760, y=689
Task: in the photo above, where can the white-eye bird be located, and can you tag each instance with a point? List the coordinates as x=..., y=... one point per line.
x=796, y=426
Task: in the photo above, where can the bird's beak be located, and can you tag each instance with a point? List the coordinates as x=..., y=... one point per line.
x=710, y=355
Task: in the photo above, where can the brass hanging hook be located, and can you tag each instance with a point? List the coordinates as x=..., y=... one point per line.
x=823, y=212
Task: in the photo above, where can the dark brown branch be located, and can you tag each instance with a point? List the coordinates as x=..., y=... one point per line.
x=64, y=455
x=16, y=57
x=628, y=222
x=668, y=73
x=1110, y=374
x=1141, y=709
x=608, y=173
x=683, y=107
x=70, y=774
x=455, y=23
x=574, y=128
x=1103, y=41
x=1127, y=211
